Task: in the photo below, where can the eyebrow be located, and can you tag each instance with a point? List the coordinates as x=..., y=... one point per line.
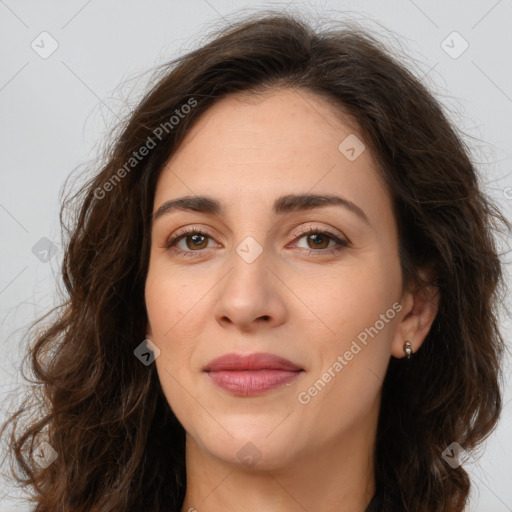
x=284, y=204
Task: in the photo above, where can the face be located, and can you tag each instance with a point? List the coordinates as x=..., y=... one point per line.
x=269, y=275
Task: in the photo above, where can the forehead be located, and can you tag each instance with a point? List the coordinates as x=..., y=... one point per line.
x=249, y=124
x=248, y=148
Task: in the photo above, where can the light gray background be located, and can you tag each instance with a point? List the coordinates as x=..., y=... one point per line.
x=55, y=111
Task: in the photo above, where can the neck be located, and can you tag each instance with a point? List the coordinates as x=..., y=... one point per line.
x=336, y=476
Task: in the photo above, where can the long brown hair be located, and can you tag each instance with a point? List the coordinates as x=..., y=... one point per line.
x=119, y=445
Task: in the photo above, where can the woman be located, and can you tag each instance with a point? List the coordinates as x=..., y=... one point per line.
x=282, y=293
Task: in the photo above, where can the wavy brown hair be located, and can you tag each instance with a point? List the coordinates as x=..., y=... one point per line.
x=120, y=446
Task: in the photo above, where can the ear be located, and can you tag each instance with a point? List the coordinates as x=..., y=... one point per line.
x=420, y=307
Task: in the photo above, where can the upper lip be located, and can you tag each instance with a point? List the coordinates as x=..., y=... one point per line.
x=247, y=362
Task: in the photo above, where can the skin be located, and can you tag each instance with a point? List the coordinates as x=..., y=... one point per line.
x=246, y=151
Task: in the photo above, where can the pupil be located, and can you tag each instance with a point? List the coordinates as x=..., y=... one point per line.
x=195, y=238
x=315, y=238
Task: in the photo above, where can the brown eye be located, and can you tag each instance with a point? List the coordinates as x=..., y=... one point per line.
x=319, y=240
x=196, y=243
x=193, y=242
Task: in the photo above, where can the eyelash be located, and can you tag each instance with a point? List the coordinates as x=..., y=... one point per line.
x=342, y=244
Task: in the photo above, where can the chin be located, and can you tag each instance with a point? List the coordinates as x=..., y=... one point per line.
x=250, y=447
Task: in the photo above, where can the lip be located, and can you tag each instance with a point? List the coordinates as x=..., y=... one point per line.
x=247, y=362
x=251, y=374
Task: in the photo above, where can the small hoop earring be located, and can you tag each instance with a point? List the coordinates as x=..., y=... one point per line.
x=408, y=349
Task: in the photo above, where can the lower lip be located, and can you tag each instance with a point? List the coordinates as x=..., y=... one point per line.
x=255, y=382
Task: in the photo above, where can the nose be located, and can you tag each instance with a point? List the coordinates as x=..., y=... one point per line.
x=252, y=295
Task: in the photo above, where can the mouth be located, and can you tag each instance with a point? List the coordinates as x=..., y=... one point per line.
x=251, y=374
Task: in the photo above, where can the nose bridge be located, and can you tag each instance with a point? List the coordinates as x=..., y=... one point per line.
x=249, y=293
x=250, y=231
x=251, y=249
x=249, y=260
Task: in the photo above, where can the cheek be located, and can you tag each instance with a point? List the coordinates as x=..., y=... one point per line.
x=357, y=310
x=348, y=299
x=170, y=307
x=171, y=302
x=344, y=387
